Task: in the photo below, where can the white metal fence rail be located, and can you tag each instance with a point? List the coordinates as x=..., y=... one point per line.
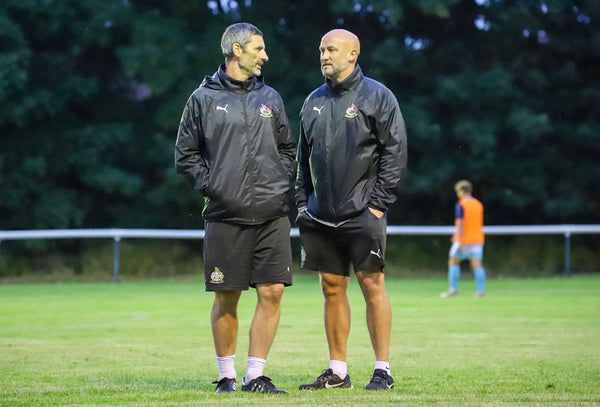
x=118, y=234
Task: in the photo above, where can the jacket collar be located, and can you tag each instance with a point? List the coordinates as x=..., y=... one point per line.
x=345, y=85
x=238, y=86
x=220, y=80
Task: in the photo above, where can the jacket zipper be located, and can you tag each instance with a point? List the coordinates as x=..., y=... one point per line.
x=251, y=157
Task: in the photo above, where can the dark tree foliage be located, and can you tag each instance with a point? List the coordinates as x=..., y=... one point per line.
x=504, y=93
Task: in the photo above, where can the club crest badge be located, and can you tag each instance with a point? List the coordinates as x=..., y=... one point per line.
x=265, y=111
x=351, y=112
x=217, y=276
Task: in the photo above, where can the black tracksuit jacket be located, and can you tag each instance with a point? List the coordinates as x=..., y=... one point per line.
x=352, y=149
x=235, y=146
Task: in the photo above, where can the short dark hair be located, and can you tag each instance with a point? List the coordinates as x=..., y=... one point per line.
x=240, y=33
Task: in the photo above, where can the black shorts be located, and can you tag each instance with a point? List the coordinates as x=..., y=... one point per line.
x=239, y=256
x=359, y=242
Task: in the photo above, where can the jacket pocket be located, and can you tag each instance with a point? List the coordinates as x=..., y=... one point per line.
x=303, y=219
x=202, y=184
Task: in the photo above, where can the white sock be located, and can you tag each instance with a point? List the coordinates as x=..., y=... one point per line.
x=339, y=368
x=226, y=367
x=383, y=366
x=255, y=368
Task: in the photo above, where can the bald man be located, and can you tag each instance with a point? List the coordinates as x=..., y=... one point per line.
x=351, y=157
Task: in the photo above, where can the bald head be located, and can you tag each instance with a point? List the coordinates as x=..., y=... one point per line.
x=345, y=36
x=339, y=51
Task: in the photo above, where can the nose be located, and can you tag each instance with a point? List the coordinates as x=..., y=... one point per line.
x=264, y=56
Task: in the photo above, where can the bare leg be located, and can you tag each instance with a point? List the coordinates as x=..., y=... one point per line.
x=453, y=261
x=224, y=322
x=379, y=312
x=266, y=319
x=337, y=314
x=475, y=263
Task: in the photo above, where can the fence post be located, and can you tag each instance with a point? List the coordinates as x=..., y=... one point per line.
x=568, y=253
x=116, y=276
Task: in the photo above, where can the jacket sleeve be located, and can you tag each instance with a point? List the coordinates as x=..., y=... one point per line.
x=304, y=185
x=189, y=162
x=392, y=164
x=286, y=145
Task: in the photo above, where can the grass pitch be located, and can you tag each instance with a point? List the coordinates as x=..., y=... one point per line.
x=528, y=342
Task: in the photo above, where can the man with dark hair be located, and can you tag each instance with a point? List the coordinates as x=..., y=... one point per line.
x=235, y=147
x=351, y=156
x=468, y=239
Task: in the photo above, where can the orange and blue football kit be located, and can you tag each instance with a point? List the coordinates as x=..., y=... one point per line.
x=468, y=244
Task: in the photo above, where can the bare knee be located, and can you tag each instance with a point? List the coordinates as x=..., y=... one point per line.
x=372, y=285
x=333, y=285
x=476, y=263
x=225, y=303
x=453, y=261
x=270, y=293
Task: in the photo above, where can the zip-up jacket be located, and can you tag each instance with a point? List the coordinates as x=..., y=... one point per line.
x=352, y=149
x=235, y=146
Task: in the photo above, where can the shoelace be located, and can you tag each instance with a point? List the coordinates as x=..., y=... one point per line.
x=327, y=373
x=222, y=380
x=379, y=378
x=263, y=382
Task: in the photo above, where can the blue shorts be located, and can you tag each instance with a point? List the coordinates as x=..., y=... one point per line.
x=466, y=251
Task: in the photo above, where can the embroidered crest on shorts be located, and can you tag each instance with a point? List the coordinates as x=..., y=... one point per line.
x=217, y=276
x=352, y=111
x=265, y=111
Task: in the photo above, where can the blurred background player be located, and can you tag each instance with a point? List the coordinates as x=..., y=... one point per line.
x=468, y=239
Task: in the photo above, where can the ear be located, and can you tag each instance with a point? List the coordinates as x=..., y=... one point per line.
x=237, y=49
x=353, y=56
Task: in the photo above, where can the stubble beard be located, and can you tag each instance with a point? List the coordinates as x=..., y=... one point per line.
x=251, y=69
x=328, y=71
x=332, y=72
